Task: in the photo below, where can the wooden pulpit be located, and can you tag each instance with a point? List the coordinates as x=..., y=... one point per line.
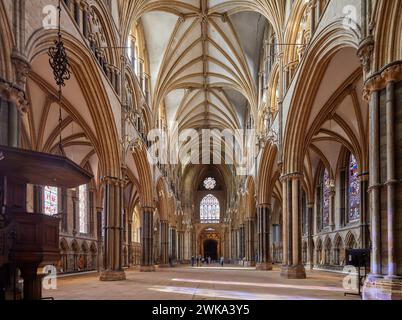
x=31, y=240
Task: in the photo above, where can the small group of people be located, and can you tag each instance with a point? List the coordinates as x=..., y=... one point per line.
x=200, y=260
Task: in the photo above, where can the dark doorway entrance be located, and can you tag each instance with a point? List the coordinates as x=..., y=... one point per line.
x=211, y=249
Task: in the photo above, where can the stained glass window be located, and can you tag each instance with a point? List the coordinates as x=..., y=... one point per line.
x=83, y=208
x=50, y=201
x=326, y=195
x=353, y=189
x=210, y=210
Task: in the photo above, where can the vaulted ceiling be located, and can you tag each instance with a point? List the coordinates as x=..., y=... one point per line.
x=203, y=62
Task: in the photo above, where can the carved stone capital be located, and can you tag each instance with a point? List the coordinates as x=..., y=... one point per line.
x=291, y=176
x=264, y=206
x=379, y=80
x=365, y=52
x=14, y=95
x=137, y=145
x=392, y=74
x=22, y=68
x=113, y=181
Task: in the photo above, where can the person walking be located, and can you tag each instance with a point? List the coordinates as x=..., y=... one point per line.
x=222, y=261
x=209, y=260
x=192, y=261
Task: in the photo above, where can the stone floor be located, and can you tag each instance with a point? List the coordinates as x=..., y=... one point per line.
x=206, y=283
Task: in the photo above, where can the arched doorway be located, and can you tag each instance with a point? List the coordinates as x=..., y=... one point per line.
x=211, y=249
x=210, y=243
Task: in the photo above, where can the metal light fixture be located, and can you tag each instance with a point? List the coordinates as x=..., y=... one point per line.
x=58, y=57
x=61, y=69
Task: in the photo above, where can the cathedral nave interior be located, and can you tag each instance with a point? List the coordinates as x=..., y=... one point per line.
x=142, y=138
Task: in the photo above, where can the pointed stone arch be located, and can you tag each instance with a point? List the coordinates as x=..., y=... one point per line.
x=64, y=247
x=6, y=44
x=350, y=241
x=85, y=71
x=251, y=211
x=388, y=42
x=143, y=166
x=267, y=174
x=319, y=55
x=163, y=203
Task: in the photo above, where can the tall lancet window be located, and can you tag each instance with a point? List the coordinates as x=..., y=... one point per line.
x=83, y=208
x=210, y=210
x=326, y=195
x=353, y=189
x=50, y=203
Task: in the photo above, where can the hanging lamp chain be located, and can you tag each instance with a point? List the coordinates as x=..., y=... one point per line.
x=61, y=68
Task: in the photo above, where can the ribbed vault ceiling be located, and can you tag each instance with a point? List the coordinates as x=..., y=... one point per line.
x=204, y=63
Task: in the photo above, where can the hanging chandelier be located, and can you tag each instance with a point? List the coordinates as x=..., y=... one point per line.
x=58, y=57
x=61, y=69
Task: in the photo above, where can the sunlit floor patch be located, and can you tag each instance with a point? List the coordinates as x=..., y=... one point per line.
x=225, y=294
x=263, y=285
x=224, y=268
x=186, y=283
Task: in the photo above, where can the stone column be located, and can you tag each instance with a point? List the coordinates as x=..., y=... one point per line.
x=264, y=236
x=364, y=210
x=9, y=124
x=130, y=240
x=242, y=242
x=147, y=263
x=181, y=246
x=174, y=244
x=77, y=12
x=85, y=19
x=250, y=253
x=282, y=88
x=294, y=269
x=286, y=234
x=391, y=178
x=164, y=234
x=385, y=281
x=14, y=120
x=364, y=19
x=133, y=57
x=186, y=245
x=265, y=71
x=117, y=81
x=310, y=232
x=232, y=244
x=237, y=242
x=375, y=187
x=113, y=241
x=99, y=214
x=312, y=5
x=194, y=248
x=260, y=76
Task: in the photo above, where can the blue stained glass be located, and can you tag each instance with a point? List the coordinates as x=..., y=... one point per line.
x=353, y=189
x=326, y=198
